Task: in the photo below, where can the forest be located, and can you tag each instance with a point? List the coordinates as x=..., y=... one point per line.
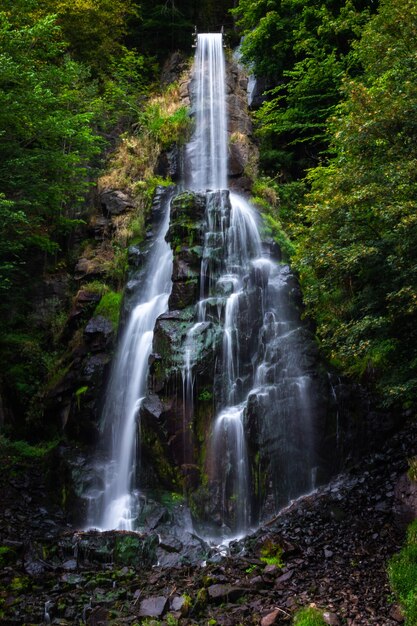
x=83, y=108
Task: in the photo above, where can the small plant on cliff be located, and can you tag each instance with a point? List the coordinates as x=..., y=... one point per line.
x=271, y=554
x=412, y=470
x=205, y=396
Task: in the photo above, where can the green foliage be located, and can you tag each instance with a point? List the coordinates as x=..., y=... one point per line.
x=165, y=126
x=303, y=49
x=279, y=204
x=277, y=232
x=309, y=616
x=109, y=307
x=23, y=450
x=357, y=256
x=94, y=29
x=205, y=396
x=46, y=144
x=128, y=550
x=271, y=554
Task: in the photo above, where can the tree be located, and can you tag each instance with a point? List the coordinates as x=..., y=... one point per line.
x=303, y=49
x=47, y=140
x=358, y=257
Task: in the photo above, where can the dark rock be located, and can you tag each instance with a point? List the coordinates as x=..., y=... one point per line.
x=281, y=580
x=35, y=569
x=99, y=334
x=173, y=67
x=94, y=368
x=115, y=202
x=397, y=614
x=153, y=607
x=257, y=86
x=84, y=301
x=184, y=293
x=99, y=616
x=239, y=156
x=89, y=269
x=331, y=618
x=271, y=618
x=168, y=164
x=225, y=593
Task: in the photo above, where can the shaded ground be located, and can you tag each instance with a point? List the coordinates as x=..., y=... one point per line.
x=330, y=548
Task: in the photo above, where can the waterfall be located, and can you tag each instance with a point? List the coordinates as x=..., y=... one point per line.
x=261, y=421
x=242, y=289
x=116, y=507
x=207, y=153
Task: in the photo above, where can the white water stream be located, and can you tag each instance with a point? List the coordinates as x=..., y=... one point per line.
x=116, y=507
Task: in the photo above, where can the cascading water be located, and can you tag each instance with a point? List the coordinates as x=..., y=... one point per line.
x=261, y=428
x=241, y=289
x=116, y=507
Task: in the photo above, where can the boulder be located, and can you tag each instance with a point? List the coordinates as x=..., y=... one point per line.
x=114, y=202
x=153, y=607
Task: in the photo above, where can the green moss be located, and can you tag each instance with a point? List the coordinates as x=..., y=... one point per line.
x=109, y=307
x=402, y=574
x=309, y=616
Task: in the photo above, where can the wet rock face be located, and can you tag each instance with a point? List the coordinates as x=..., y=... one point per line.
x=242, y=151
x=185, y=236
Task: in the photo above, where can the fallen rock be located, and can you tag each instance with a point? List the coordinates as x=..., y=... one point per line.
x=225, y=593
x=271, y=618
x=331, y=619
x=397, y=614
x=153, y=607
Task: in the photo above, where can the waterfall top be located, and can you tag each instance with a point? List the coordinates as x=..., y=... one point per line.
x=207, y=150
